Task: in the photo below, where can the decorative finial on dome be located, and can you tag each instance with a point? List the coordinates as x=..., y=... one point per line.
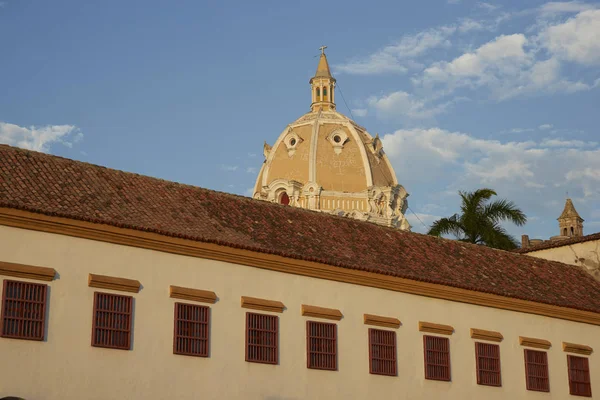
x=323, y=85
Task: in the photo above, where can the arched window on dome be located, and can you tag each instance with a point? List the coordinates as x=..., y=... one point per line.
x=318, y=94
x=284, y=199
x=324, y=94
x=572, y=231
x=565, y=232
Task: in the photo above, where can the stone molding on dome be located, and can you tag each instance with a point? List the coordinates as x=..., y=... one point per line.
x=312, y=193
x=337, y=139
x=290, y=187
x=292, y=141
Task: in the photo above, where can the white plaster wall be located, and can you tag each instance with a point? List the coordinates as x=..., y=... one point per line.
x=585, y=254
x=65, y=366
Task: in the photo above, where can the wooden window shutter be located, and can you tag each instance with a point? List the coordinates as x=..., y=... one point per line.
x=23, y=310
x=488, y=364
x=262, y=338
x=579, y=376
x=437, y=358
x=536, y=370
x=321, y=345
x=191, y=332
x=111, y=325
x=382, y=352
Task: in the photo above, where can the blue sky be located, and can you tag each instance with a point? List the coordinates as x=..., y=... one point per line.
x=465, y=94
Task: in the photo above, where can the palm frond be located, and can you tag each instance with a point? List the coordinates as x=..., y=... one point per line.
x=446, y=226
x=503, y=209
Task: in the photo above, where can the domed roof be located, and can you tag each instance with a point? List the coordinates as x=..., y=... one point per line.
x=325, y=161
x=331, y=149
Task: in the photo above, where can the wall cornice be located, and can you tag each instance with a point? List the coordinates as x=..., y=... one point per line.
x=27, y=271
x=114, y=283
x=262, y=304
x=435, y=328
x=203, y=296
x=482, y=334
x=577, y=348
x=378, y=320
x=154, y=241
x=321, y=312
x=534, y=342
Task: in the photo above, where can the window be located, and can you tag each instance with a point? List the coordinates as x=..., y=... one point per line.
x=23, y=310
x=318, y=93
x=579, y=376
x=191, y=330
x=324, y=91
x=111, y=326
x=382, y=352
x=536, y=370
x=261, y=338
x=321, y=344
x=437, y=358
x=488, y=364
x=284, y=199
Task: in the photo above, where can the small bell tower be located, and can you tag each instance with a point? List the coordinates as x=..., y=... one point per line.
x=569, y=222
x=322, y=86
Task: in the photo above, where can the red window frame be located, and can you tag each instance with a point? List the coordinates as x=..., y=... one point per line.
x=111, y=323
x=436, y=351
x=321, y=345
x=382, y=352
x=487, y=361
x=262, y=338
x=579, y=376
x=536, y=370
x=23, y=310
x=191, y=330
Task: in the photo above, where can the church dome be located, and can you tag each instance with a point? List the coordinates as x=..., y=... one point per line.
x=325, y=161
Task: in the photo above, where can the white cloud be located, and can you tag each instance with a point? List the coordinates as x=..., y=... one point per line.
x=560, y=7
x=506, y=66
x=360, y=112
x=567, y=143
x=577, y=39
x=251, y=170
x=521, y=130
x=420, y=222
x=500, y=56
x=585, y=173
x=39, y=138
x=487, y=6
x=524, y=171
x=228, y=168
x=468, y=24
x=402, y=104
x=545, y=127
x=399, y=57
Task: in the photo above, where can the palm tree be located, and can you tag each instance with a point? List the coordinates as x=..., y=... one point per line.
x=479, y=222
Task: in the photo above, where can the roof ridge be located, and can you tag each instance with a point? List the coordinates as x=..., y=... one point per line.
x=548, y=244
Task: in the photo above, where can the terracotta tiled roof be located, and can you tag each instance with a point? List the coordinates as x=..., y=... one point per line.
x=61, y=187
x=550, y=244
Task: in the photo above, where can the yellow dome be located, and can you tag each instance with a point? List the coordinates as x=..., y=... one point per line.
x=325, y=161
